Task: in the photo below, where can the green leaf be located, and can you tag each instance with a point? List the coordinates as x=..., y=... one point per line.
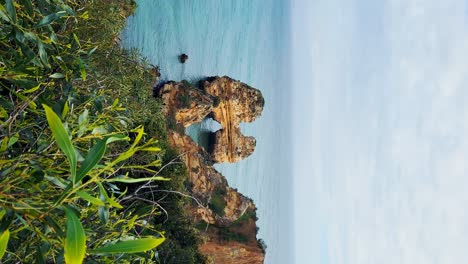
x=83, y=117
x=103, y=212
x=93, y=157
x=151, y=149
x=57, y=75
x=31, y=36
x=92, y=51
x=4, y=144
x=141, y=132
x=86, y=196
x=3, y=113
x=57, y=182
x=43, y=54
x=100, y=130
x=10, y=8
x=62, y=139
x=4, y=237
x=130, y=246
x=75, y=37
x=109, y=200
x=75, y=241
x=82, y=68
x=82, y=122
x=40, y=259
x=13, y=140
x=3, y=14
x=50, y=18
x=134, y=180
x=117, y=137
x=51, y=222
x=35, y=88
x=28, y=5
x=66, y=108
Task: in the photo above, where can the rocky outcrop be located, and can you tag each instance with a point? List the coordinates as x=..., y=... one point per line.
x=229, y=216
x=233, y=252
x=230, y=233
x=209, y=186
x=184, y=103
x=183, y=58
x=238, y=103
x=227, y=101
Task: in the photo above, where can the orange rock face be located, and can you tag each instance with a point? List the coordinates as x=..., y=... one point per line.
x=207, y=183
x=233, y=252
x=238, y=103
x=187, y=105
x=230, y=235
x=227, y=101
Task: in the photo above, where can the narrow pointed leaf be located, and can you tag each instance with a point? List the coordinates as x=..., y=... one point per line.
x=62, y=139
x=40, y=259
x=140, y=134
x=75, y=37
x=50, y=18
x=130, y=246
x=82, y=68
x=57, y=75
x=3, y=14
x=52, y=223
x=93, y=157
x=151, y=149
x=75, y=242
x=103, y=212
x=33, y=89
x=109, y=200
x=135, y=180
x=65, y=110
x=4, y=237
x=28, y=5
x=86, y=196
x=43, y=54
x=10, y=8
x=113, y=203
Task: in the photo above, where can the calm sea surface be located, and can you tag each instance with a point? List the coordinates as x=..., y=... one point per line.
x=246, y=40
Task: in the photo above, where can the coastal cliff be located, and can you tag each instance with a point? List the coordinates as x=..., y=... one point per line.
x=227, y=101
x=225, y=217
x=238, y=103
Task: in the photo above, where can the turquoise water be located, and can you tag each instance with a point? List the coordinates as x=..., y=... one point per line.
x=246, y=40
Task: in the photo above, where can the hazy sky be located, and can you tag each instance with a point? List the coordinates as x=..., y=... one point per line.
x=381, y=127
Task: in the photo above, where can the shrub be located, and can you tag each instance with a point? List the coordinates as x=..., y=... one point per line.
x=66, y=141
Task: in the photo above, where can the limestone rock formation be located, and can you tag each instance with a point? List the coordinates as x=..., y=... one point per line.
x=184, y=103
x=207, y=184
x=233, y=252
x=238, y=103
x=229, y=216
x=227, y=101
x=224, y=223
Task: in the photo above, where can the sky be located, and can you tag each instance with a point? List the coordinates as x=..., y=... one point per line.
x=380, y=121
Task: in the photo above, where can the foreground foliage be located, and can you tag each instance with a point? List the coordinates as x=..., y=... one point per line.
x=70, y=150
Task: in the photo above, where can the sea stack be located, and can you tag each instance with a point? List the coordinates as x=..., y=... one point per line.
x=183, y=58
x=227, y=218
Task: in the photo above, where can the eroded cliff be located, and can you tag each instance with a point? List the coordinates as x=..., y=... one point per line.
x=226, y=218
x=227, y=101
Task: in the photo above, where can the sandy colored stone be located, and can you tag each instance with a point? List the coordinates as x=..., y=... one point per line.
x=229, y=102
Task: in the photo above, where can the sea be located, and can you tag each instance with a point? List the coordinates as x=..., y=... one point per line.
x=248, y=40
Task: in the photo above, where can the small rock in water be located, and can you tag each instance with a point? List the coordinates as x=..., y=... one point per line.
x=183, y=58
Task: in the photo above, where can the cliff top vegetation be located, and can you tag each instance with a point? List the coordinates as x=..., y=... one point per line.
x=83, y=145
